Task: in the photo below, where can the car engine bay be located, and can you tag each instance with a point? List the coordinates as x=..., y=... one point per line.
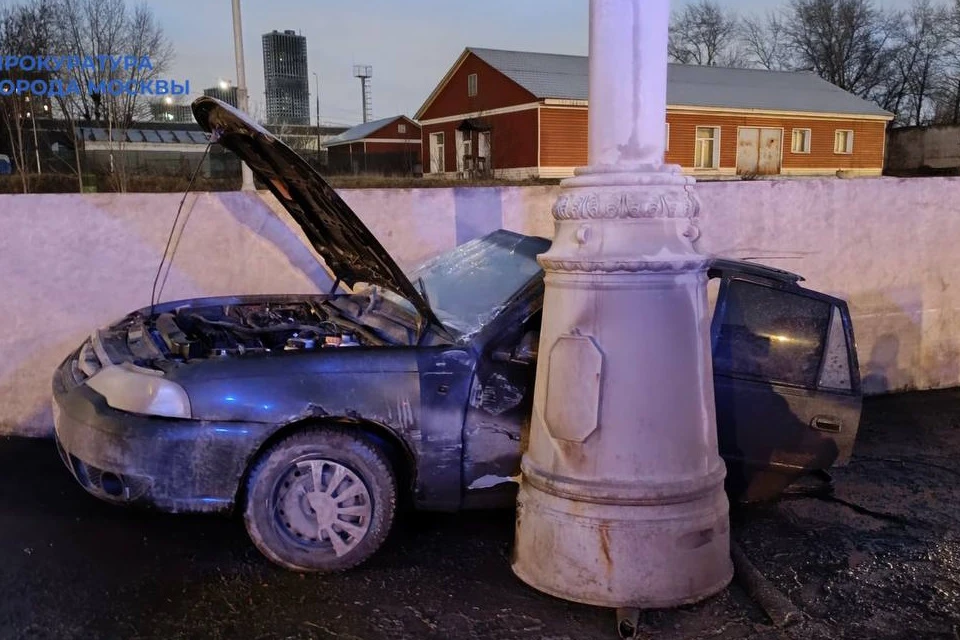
x=191, y=332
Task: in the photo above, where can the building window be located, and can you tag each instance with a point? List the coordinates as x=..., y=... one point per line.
x=401, y=128
x=801, y=141
x=707, y=155
x=843, y=141
x=436, y=152
x=472, y=85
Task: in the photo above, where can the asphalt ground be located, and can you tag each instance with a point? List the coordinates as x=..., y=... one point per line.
x=878, y=559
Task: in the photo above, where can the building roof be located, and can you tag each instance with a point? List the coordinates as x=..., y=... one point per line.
x=564, y=77
x=361, y=131
x=186, y=134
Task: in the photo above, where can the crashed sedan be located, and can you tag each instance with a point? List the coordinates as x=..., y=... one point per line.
x=315, y=415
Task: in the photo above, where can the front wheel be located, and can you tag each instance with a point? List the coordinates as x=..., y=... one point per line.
x=321, y=500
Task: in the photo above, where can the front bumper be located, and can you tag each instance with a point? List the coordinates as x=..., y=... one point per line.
x=173, y=465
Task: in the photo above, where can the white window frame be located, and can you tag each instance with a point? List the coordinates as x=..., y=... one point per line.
x=402, y=127
x=836, y=142
x=666, y=143
x=808, y=140
x=473, y=85
x=715, y=160
x=437, y=151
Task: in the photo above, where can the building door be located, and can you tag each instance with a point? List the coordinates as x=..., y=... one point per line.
x=770, y=145
x=748, y=156
x=483, y=153
x=436, y=153
x=758, y=151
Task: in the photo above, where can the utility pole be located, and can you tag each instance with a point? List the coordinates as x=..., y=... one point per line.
x=242, y=97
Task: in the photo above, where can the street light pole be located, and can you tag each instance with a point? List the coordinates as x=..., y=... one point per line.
x=317, y=83
x=242, y=98
x=621, y=500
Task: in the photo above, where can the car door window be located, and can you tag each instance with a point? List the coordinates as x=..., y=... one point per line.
x=836, y=363
x=772, y=335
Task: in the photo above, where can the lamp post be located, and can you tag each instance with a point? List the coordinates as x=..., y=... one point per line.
x=316, y=79
x=621, y=501
x=242, y=97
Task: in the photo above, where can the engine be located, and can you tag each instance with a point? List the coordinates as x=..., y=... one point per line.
x=192, y=332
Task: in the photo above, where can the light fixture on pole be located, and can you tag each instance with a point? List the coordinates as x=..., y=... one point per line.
x=317, y=83
x=242, y=98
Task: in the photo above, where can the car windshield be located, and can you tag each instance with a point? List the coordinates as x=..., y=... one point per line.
x=468, y=286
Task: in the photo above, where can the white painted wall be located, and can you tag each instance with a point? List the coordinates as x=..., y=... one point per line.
x=71, y=263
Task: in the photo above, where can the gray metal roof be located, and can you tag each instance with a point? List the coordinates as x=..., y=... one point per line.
x=360, y=131
x=564, y=77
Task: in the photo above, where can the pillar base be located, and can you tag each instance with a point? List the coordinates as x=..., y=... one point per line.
x=646, y=556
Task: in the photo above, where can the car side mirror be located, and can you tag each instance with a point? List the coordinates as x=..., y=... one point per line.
x=524, y=353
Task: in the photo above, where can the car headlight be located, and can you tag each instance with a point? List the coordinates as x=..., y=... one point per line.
x=131, y=388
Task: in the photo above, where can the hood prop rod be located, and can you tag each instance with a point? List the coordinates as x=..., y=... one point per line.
x=155, y=294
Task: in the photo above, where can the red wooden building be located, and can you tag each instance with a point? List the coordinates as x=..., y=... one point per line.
x=386, y=146
x=520, y=115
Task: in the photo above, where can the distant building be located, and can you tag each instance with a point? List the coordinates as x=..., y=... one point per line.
x=154, y=148
x=386, y=146
x=524, y=115
x=163, y=111
x=285, y=77
x=304, y=139
x=228, y=94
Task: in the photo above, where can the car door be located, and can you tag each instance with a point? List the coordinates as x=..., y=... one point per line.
x=786, y=383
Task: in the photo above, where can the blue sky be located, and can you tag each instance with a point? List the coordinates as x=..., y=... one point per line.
x=410, y=43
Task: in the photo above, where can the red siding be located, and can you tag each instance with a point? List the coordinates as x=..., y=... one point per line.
x=868, y=139
x=392, y=147
x=563, y=137
x=391, y=131
x=513, y=141
x=494, y=90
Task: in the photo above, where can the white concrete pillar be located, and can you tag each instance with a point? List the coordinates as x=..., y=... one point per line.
x=621, y=502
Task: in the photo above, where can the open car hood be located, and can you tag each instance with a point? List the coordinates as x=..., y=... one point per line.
x=350, y=250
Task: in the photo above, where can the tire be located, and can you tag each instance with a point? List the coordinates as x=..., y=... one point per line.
x=335, y=528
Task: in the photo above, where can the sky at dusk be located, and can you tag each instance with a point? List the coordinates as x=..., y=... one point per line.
x=410, y=43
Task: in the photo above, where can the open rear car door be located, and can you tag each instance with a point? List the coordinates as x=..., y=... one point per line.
x=786, y=380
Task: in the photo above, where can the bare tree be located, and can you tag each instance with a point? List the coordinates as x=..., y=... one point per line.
x=946, y=93
x=110, y=27
x=25, y=30
x=849, y=43
x=919, y=62
x=763, y=44
x=705, y=34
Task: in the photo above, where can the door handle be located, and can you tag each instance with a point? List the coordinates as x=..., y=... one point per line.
x=828, y=424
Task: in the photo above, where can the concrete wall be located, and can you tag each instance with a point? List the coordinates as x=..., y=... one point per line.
x=70, y=263
x=913, y=148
